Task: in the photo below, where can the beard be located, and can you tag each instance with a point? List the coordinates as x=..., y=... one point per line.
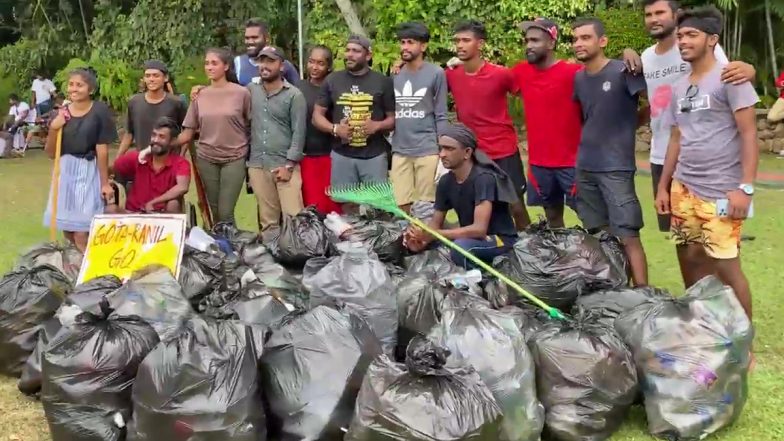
x=534, y=58
x=158, y=149
x=665, y=31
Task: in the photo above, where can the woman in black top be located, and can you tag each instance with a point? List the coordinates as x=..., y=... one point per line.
x=88, y=129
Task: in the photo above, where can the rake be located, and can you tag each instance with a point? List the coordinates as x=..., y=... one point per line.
x=380, y=196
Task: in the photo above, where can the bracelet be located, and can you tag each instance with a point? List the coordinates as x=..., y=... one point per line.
x=335, y=130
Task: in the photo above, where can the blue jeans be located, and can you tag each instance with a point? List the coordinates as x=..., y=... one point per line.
x=486, y=250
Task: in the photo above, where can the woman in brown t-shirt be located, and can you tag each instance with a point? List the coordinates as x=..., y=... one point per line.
x=221, y=116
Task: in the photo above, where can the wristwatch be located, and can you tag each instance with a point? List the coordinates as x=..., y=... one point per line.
x=747, y=188
x=335, y=130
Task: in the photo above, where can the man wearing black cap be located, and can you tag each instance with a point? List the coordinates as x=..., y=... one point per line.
x=278, y=112
x=479, y=192
x=144, y=109
x=362, y=106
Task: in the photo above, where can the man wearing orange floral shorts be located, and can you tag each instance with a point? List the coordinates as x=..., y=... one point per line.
x=711, y=160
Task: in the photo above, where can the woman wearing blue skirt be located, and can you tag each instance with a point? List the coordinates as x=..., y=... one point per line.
x=84, y=188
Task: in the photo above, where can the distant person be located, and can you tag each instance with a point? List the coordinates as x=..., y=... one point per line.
x=161, y=182
x=42, y=91
x=362, y=107
x=711, y=159
x=21, y=116
x=145, y=109
x=278, y=124
x=316, y=166
x=609, y=96
x=83, y=187
x=479, y=192
x=480, y=90
x=420, y=109
x=776, y=113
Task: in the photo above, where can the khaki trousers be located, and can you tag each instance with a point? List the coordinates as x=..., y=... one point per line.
x=276, y=198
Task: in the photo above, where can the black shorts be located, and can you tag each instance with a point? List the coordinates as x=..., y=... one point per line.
x=663, y=219
x=551, y=187
x=513, y=166
x=609, y=199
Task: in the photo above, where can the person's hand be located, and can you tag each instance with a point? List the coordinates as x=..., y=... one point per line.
x=397, y=66
x=149, y=207
x=738, y=72
x=282, y=174
x=343, y=130
x=453, y=62
x=739, y=203
x=632, y=61
x=143, y=155
x=59, y=121
x=195, y=92
x=371, y=127
x=107, y=192
x=662, y=203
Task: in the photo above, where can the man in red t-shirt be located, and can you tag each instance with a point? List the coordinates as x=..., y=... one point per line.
x=552, y=119
x=160, y=182
x=776, y=112
x=480, y=91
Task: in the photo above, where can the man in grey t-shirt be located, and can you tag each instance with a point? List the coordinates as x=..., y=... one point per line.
x=711, y=160
x=420, y=111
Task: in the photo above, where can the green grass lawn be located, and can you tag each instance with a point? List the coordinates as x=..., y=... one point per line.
x=24, y=185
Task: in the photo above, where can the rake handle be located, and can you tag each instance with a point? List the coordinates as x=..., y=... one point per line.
x=554, y=312
x=55, y=186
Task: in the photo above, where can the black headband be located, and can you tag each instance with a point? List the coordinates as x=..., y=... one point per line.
x=461, y=134
x=709, y=25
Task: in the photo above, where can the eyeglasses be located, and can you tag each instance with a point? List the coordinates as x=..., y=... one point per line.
x=691, y=93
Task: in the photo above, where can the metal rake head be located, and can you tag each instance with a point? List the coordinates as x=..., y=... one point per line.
x=377, y=195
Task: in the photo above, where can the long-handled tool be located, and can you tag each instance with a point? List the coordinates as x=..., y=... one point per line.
x=380, y=196
x=55, y=186
x=201, y=196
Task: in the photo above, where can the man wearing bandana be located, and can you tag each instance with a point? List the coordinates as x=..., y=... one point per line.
x=481, y=195
x=711, y=160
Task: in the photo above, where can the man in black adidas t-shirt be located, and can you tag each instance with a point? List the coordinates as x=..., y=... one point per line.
x=362, y=105
x=479, y=192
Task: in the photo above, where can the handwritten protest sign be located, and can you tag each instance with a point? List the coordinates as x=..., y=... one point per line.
x=122, y=244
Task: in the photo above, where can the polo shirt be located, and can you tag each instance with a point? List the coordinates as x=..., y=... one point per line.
x=148, y=183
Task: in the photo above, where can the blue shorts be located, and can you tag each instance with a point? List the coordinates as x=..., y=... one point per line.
x=551, y=187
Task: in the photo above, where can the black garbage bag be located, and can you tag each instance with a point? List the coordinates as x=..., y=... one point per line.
x=423, y=210
x=692, y=355
x=30, y=382
x=281, y=282
x=381, y=232
x=199, y=272
x=585, y=378
x=609, y=304
x=358, y=279
x=613, y=248
x=153, y=294
x=424, y=400
x=435, y=260
x=557, y=265
x=529, y=319
x=28, y=298
x=312, y=369
x=66, y=258
x=419, y=302
x=88, y=374
x=491, y=341
x=201, y=385
x=300, y=238
x=236, y=237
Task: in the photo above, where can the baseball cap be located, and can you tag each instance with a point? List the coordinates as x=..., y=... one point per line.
x=271, y=52
x=360, y=40
x=544, y=24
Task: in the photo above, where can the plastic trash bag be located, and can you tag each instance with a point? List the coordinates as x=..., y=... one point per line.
x=300, y=238
x=30, y=382
x=557, y=265
x=692, y=355
x=613, y=249
x=493, y=344
x=529, y=319
x=419, y=301
x=66, y=258
x=200, y=240
x=423, y=210
x=153, y=294
x=28, y=298
x=381, y=233
x=201, y=385
x=424, y=400
x=88, y=295
x=88, y=374
x=358, y=279
x=312, y=369
x=435, y=260
x=236, y=237
x=585, y=378
x=609, y=304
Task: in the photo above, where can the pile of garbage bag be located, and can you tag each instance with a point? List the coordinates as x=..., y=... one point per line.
x=201, y=385
x=312, y=370
x=29, y=296
x=66, y=258
x=300, y=238
x=200, y=272
x=424, y=400
x=381, y=232
x=89, y=372
x=558, y=265
x=491, y=342
x=692, y=355
x=609, y=304
x=585, y=377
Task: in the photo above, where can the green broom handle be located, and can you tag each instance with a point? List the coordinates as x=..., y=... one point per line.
x=554, y=312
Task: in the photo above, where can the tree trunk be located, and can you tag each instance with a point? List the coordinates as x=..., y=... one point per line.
x=771, y=43
x=84, y=21
x=351, y=17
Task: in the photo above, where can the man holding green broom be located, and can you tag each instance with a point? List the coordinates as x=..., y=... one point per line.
x=479, y=192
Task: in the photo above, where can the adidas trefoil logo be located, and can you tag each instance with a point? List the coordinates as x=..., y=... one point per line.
x=409, y=98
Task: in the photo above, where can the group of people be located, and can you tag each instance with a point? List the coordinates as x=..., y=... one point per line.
x=292, y=139
x=26, y=120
